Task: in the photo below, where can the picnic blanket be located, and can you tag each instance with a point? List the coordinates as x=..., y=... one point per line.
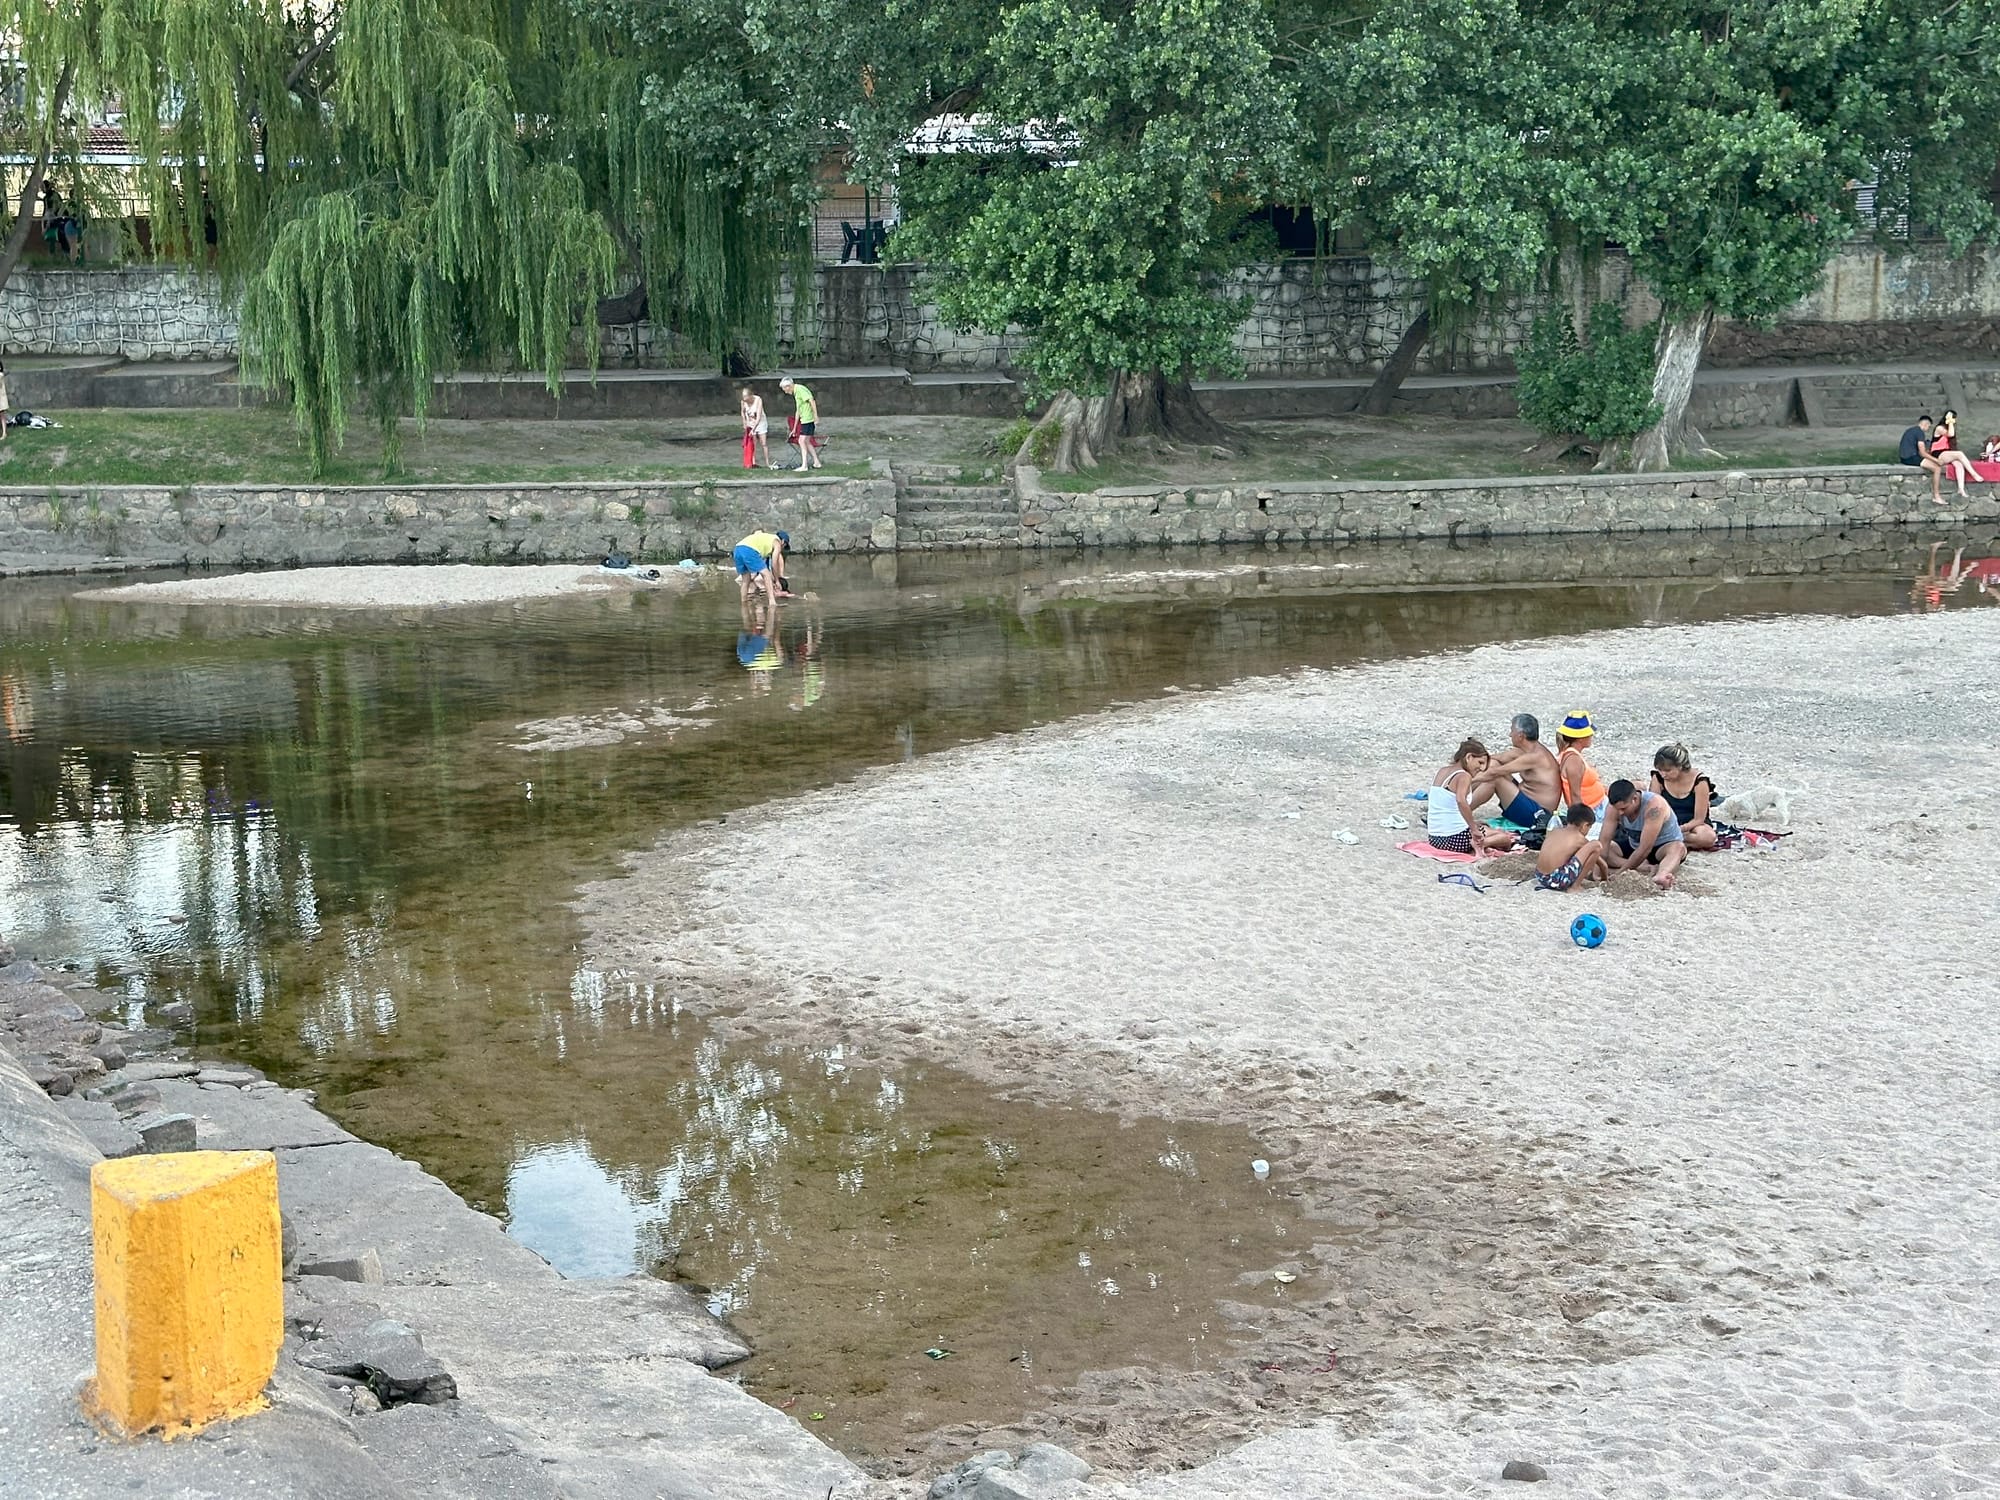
x=1424, y=849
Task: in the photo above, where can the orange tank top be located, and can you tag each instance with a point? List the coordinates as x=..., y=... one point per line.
x=1589, y=792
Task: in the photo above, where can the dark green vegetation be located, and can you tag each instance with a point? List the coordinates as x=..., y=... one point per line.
x=402, y=186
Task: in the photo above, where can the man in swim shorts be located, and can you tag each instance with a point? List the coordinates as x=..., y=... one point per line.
x=760, y=563
x=1568, y=853
x=1525, y=778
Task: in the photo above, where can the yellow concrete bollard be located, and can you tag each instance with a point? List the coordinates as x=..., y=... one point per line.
x=190, y=1289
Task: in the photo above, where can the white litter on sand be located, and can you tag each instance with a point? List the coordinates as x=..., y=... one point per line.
x=391, y=586
x=1710, y=1211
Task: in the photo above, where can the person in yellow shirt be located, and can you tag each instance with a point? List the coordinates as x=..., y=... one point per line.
x=760, y=563
x=807, y=414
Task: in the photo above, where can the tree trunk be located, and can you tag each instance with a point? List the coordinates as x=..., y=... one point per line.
x=1675, y=359
x=1383, y=392
x=31, y=188
x=1141, y=405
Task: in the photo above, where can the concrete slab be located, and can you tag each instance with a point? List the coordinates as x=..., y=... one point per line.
x=348, y=1196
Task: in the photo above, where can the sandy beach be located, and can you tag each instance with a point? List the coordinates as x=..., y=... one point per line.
x=389, y=586
x=1709, y=1211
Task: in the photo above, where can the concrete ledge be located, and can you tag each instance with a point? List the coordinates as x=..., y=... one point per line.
x=255, y=525
x=252, y=525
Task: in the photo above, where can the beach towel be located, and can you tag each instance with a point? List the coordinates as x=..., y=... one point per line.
x=1424, y=849
x=1727, y=837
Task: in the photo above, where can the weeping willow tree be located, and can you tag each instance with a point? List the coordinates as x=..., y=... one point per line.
x=399, y=188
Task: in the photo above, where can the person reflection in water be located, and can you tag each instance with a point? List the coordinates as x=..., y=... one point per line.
x=811, y=683
x=758, y=646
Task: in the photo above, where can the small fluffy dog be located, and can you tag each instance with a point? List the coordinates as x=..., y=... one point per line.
x=1761, y=807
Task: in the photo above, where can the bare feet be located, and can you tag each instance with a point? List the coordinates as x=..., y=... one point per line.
x=1664, y=880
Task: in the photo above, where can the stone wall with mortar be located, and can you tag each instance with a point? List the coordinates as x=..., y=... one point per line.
x=244, y=525
x=1737, y=500
x=140, y=312
x=1340, y=316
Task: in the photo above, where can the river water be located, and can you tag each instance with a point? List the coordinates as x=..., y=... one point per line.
x=350, y=839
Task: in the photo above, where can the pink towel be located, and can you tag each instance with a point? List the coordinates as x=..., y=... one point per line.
x=1424, y=849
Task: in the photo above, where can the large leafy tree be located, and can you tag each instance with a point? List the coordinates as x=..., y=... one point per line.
x=1444, y=129
x=1727, y=140
x=1119, y=148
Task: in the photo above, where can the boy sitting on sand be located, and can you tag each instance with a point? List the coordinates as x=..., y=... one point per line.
x=1569, y=853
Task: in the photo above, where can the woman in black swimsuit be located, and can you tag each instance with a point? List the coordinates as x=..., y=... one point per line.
x=1688, y=792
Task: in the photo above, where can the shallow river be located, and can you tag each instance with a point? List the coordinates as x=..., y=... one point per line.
x=350, y=840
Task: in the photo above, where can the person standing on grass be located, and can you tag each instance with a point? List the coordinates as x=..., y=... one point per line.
x=756, y=428
x=807, y=413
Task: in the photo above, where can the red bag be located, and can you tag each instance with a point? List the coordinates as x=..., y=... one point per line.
x=749, y=449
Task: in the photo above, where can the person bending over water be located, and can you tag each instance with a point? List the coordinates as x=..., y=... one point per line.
x=1688, y=793
x=1451, y=822
x=1568, y=854
x=1524, y=778
x=1643, y=831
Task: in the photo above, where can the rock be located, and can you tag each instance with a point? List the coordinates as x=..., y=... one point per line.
x=134, y=1099
x=61, y=1011
x=155, y=1068
x=1049, y=1465
x=52, y=1081
x=162, y=1133
x=365, y=1268
x=288, y=1246
x=1042, y=1472
x=394, y=1365
x=234, y=1078
x=110, y=1054
x=1521, y=1469
x=178, y=1012
x=363, y=1401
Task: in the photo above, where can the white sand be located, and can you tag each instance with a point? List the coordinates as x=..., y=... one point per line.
x=1711, y=1211
x=390, y=586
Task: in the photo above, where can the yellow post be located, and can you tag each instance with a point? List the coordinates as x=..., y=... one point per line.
x=190, y=1290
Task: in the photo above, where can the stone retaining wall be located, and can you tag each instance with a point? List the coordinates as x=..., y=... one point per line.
x=1339, y=316
x=244, y=525
x=1737, y=500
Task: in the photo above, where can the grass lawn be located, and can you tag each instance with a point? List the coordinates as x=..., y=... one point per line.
x=260, y=446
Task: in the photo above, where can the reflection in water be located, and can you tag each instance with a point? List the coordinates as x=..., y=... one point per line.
x=848, y=1222
x=349, y=841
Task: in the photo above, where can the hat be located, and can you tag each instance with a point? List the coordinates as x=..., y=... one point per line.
x=785, y=537
x=1576, y=726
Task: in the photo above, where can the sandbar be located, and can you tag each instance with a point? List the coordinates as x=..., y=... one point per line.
x=390, y=586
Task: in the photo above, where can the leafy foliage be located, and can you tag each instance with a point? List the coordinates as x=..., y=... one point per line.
x=1601, y=388
x=1124, y=145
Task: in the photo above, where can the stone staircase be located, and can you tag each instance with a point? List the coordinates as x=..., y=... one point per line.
x=932, y=516
x=1856, y=398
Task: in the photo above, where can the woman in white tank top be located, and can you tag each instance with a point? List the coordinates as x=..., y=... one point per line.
x=1449, y=817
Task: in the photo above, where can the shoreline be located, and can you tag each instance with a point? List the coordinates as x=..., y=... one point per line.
x=1624, y=1173
x=491, y=1374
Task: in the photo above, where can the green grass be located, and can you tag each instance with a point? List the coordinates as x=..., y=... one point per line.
x=262, y=447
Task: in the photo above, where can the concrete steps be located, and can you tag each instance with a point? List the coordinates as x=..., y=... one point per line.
x=1877, y=397
x=956, y=515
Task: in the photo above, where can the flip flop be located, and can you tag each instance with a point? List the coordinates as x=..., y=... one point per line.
x=1395, y=823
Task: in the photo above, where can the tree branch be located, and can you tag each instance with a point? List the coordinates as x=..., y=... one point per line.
x=312, y=55
x=17, y=238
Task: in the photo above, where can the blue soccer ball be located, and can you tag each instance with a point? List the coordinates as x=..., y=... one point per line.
x=1587, y=931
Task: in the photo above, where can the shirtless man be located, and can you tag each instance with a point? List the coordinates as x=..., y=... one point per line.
x=1524, y=779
